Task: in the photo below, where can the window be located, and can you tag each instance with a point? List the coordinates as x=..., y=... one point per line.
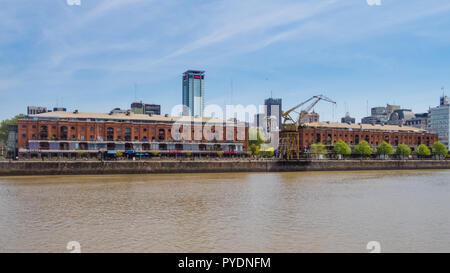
x=110, y=134
x=63, y=132
x=24, y=127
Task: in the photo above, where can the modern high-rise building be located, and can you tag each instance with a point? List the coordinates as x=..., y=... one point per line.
x=420, y=121
x=273, y=109
x=34, y=110
x=144, y=108
x=193, y=93
x=440, y=120
x=400, y=116
x=380, y=115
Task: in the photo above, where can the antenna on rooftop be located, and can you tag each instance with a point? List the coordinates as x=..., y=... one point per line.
x=231, y=91
x=135, y=90
x=334, y=107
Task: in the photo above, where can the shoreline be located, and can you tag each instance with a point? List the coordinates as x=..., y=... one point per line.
x=28, y=168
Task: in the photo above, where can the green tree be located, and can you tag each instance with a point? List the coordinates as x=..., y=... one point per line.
x=255, y=149
x=342, y=148
x=439, y=149
x=256, y=140
x=4, y=127
x=385, y=149
x=269, y=152
x=256, y=137
x=423, y=150
x=403, y=150
x=363, y=148
x=318, y=149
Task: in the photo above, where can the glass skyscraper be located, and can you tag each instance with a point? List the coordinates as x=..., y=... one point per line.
x=440, y=121
x=276, y=106
x=193, y=92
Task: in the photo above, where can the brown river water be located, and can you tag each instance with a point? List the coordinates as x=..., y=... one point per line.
x=406, y=211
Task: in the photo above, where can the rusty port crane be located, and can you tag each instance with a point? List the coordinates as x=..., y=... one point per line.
x=289, y=137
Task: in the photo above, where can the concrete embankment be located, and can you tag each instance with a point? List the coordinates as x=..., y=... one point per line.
x=15, y=168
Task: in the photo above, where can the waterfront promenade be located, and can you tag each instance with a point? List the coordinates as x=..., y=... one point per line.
x=17, y=168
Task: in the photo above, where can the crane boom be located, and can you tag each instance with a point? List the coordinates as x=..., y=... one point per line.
x=289, y=136
x=287, y=115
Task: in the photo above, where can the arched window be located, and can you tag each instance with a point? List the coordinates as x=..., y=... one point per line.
x=63, y=132
x=43, y=132
x=110, y=134
x=162, y=134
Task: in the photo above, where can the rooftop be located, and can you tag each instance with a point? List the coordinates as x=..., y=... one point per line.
x=123, y=117
x=368, y=127
x=194, y=72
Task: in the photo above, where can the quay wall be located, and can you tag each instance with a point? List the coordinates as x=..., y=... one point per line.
x=17, y=168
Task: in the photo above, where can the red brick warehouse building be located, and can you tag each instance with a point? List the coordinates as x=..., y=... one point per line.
x=71, y=132
x=352, y=134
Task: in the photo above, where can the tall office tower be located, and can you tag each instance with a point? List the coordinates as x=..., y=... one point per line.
x=273, y=105
x=193, y=92
x=440, y=121
x=143, y=108
x=34, y=110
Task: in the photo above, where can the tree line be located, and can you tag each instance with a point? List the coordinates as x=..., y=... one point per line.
x=365, y=150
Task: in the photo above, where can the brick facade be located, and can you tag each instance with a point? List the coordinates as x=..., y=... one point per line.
x=330, y=136
x=119, y=131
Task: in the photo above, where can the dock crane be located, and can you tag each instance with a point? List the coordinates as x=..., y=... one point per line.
x=289, y=137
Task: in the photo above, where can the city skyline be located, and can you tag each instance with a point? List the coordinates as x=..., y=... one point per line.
x=88, y=57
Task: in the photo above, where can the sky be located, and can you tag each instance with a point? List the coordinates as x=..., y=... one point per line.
x=104, y=54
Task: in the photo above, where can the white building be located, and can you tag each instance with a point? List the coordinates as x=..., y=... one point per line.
x=440, y=121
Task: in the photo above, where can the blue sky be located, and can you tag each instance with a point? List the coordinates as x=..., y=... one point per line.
x=90, y=57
